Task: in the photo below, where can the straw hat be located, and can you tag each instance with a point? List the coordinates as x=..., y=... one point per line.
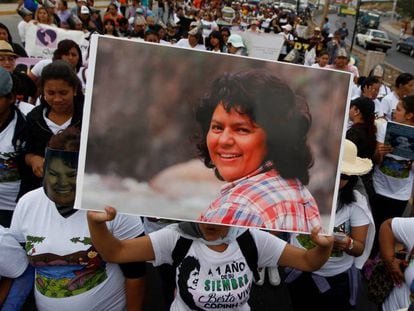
x=351, y=164
x=6, y=49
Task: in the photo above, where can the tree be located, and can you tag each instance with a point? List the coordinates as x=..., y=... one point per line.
x=406, y=8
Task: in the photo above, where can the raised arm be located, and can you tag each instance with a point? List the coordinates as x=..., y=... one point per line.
x=308, y=260
x=112, y=249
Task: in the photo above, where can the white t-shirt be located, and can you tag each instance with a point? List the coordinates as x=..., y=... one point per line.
x=403, y=229
x=183, y=43
x=389, y=103
x=393, y=177
x=38, y=68
x=24, y=107
x=351, y=215
x=11, y=249
x=69, y=273
x=9, y=174
x=214, y=280
x=208, y=27
x=55, y=128
x=21, y=28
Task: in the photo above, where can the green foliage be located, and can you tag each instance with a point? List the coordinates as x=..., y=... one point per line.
x=406, y=8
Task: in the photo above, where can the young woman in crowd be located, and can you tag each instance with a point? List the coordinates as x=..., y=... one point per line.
x=257, y=144
x=42, y=16
x=215, y=42
x=363, y=134
x=329, y=288
x=69, y=272
x=109, y=28
x=112, y=14
x=404, y=85
x=6, y=36
x=69, y=51
x=393, y=175
x=61, y=106
x=393, y=233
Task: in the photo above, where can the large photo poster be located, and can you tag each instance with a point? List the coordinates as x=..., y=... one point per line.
x=188, y=135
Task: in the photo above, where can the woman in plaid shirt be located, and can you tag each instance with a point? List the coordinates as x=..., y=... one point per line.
x=253, y=133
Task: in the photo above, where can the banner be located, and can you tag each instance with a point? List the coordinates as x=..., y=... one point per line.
x=41, y=40
x=261, y=45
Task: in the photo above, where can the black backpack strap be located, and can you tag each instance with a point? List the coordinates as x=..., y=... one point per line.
x=249, y=250
x=180, y=250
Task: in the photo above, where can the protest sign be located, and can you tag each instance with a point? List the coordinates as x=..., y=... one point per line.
x=41, y=40
x=401, y=138
x=139, y=144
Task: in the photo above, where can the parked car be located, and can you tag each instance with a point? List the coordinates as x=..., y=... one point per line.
x=406, y=45
x=374, y=39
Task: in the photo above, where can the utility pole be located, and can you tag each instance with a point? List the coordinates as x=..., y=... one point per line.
x=394, y=6
x=356, y=24
x=297, y=6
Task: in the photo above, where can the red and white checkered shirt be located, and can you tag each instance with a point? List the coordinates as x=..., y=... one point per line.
x=267, y=200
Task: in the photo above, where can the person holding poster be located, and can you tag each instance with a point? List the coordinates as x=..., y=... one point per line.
x=329, y=287
x=70, y=274
x=393, y=175
x=214, y=270
x=253, y=133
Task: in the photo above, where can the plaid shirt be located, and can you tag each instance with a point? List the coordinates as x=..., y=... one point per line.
x=265, y=199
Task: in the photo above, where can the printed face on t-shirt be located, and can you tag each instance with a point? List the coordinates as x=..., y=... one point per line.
x=60, y=182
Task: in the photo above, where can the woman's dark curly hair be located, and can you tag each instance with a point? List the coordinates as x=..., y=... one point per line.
x=273, y=106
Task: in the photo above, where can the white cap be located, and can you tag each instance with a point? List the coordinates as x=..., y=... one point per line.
x=288, y=27
x=84, y=10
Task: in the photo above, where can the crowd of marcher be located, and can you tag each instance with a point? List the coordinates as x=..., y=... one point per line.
x=73, y=259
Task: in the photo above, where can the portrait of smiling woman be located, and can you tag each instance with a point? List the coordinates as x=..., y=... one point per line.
x=253, y=133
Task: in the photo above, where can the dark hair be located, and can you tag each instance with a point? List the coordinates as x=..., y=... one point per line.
x=217, y=35
x=66, y=140
x=188, y=265
x=10, y=39
x=63, y=48
x=323, y=52
x=225, y=29
x=367, y=108
x=151, y=32
x=368, y=81
x=270, y=103
x=408, y=103
x=59, y=70
x=403, y=79
x=110, y=21
x=346, y=193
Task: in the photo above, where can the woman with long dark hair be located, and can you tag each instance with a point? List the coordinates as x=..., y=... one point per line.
x=61, y=106
x=329, y=288
x=253, y=133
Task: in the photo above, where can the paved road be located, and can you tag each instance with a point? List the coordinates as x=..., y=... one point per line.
x=397, y=59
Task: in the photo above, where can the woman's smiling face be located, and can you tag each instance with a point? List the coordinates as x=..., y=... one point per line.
x=236, y=145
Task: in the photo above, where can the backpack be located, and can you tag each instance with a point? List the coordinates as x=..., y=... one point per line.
x=246, y=244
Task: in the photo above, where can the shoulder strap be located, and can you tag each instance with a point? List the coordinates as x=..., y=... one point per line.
x=249, y=250
x=180, y=250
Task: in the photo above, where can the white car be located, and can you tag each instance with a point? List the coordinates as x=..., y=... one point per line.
x=374, y=39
